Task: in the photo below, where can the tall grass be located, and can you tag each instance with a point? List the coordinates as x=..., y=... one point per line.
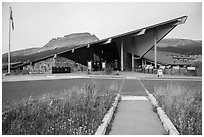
x=183, y=105
x=78, y=111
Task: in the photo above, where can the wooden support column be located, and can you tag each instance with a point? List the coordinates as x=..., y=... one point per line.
x=121, y=55
x=155, y=50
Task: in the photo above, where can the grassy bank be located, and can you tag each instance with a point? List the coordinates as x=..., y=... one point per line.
x=73, y=112
x=183, y=105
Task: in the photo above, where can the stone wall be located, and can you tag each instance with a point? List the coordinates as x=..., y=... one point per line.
x=45, y=66
x=64, y=62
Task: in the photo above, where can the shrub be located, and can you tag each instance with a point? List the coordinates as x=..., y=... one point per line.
x=73, y=112
x=183, y=105
x=198, y=65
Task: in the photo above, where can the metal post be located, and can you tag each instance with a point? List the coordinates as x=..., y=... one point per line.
x=9, y=57
x=121, y=55
x=132, y=46
x=133, y=65
x=179, y=71
x=155, y=51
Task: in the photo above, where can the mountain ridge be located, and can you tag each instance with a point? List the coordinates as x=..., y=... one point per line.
x=171, y=42
x=181, y=46
x=70, y=40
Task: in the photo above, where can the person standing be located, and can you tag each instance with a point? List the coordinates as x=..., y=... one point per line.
x=89, y=67
x=103, y=65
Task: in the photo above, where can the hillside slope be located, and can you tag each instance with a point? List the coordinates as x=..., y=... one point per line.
x=181, y=46
x=173, y=42
x=69, y=41
x=22, y=52
x=55, y=44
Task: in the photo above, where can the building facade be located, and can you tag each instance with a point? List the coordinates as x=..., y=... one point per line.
x=46, y=65
x=126, y=50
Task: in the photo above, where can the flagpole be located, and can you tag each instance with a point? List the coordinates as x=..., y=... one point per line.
x=9, y=57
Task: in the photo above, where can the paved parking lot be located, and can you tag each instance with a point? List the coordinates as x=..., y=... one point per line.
x=13, y=91
x=17, y=87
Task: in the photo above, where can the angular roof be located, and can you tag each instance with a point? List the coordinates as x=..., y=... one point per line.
x=181, y=20
x=50, y=53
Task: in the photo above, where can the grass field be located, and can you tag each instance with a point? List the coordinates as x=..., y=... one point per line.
x=182, y=102
x=16, y=91
x=150, y=84
x=77, y=111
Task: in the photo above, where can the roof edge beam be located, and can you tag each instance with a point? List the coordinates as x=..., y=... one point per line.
x=140, y=32
x=107, y=41
x=182, y=20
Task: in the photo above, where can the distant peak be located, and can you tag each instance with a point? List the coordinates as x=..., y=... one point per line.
x=78, y=34
x=70, y=40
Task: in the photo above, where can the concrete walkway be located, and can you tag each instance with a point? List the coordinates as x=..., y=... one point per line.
x=135, y=115
x=127, y=75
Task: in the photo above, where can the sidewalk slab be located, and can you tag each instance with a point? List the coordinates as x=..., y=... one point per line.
x=136, y=117
x=134, y=98
x=132, y=87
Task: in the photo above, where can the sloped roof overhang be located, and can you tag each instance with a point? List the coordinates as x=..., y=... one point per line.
x=135, y=33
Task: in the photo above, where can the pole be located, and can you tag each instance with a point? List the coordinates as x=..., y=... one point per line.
x=133, y=65
x=155, y=51
x=9, y=57
x=121, y=55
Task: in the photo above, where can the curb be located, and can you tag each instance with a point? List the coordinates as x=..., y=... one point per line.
x=62, y=77
x=186, y=79
x=105, y=77
x=106, y=120
x=166, y=122
x=168, y=125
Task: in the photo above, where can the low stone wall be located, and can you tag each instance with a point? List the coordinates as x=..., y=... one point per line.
x=45, y=66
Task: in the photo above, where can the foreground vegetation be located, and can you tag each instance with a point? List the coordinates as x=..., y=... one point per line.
x=183, y=105
x=74, y=112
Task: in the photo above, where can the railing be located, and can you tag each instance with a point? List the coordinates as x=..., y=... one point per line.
x=171, y=71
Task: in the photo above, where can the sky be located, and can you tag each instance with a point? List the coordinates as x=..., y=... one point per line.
x=38, y=22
